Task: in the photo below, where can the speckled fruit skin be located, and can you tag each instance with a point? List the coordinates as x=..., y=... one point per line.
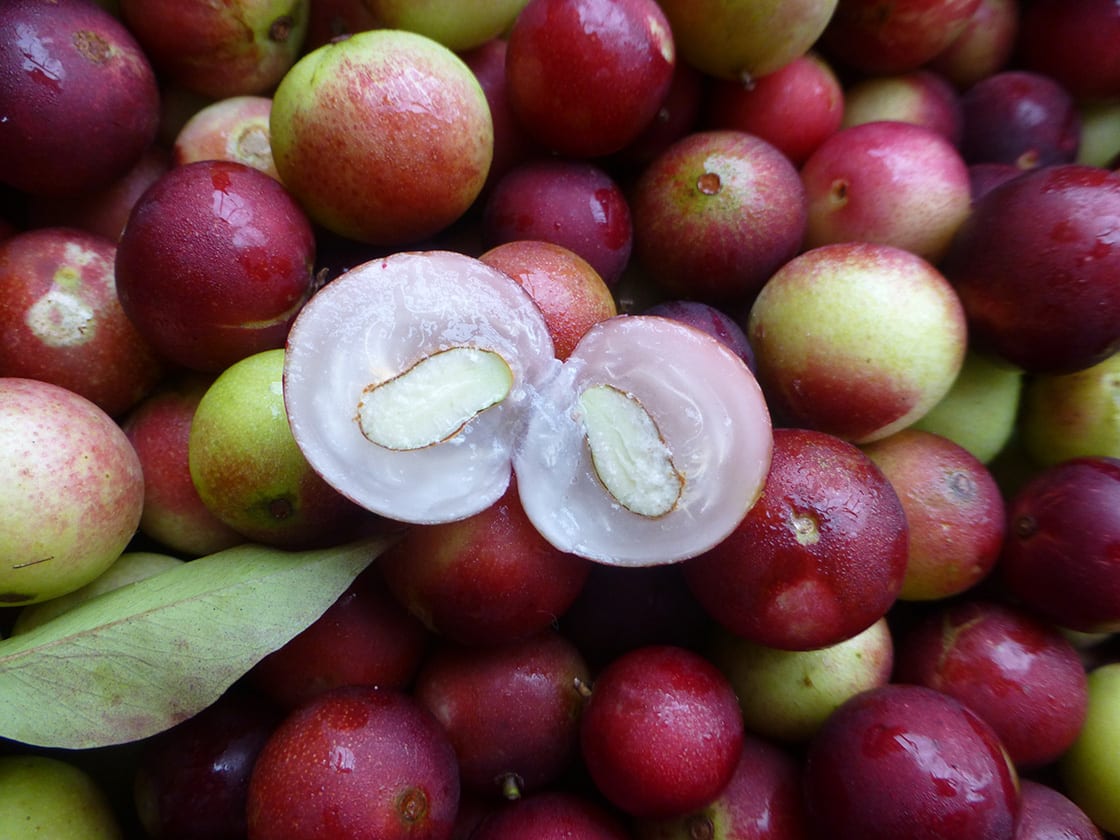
x=384, y=137
x=661, y=734
x=856, y=339
x=954, y=509
x=819, y=558
x=716, y=214
x=218, y=50
x=908, y=761
x=359, y=762
x=73, y=491
x=1034, y=266
x=214, y=264
x=63, y=323
x=80, y=98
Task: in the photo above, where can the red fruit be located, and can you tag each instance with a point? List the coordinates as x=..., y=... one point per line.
x=1075, y=44
x=716, y=214
x=359, y=762
x=214, y=264
x=364, y=638
x=1062, y=553
x=586, y=76
x=552, y=815
x=1047, y=814
x=511, y=710
x=1035, y=266
x=63, y=323
x=80, y=98
x=488, y=578
x=662, y=732
x=999, y=660
x=819, y=558
x=908, y=761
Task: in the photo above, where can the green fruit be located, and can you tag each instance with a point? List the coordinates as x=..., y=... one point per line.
x=43, y=797
x=1091, y=767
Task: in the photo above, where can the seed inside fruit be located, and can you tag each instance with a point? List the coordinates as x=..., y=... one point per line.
x=434, y=399
x=630, y=457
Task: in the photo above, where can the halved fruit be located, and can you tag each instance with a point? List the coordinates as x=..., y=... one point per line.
x=405, y=381
x=649, y=447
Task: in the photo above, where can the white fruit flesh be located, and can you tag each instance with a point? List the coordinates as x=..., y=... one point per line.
x=372, y=325
x=628, y=453
x=705, y=409
x=434, y=399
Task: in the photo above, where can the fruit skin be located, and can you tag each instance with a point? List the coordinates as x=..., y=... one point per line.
x=886, y=181
x=954, y=509
x=745, y=39
x=214, y=264
x=895, y=762
x=384, y=137
x=1047, y=814
x=1073, y=43
x=1073, y=414
x=456, y=24
x=662, y=733
x=565, y=287
x=73, y=491
x=1034, y=265
x=63, y=323
x=1060, y=557
x=1090, y=769
x=856, y=339
x=81, y=101
x=248, y=469
x=359, y=762
x=716, y=214
x=585, y=77
x=983, y=47
x=552, y=815
x=998, y=660
x=234, y=128
x=819, y=558
x=47, y=796
x=223, y=49
x=921, y=97
x=159, y=428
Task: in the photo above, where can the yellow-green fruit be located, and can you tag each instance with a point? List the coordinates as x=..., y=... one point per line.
x=980, y=409
x=745, y=39
x=43, y=797
x=1073, y=415
x=247, y=467
x=1091, y=767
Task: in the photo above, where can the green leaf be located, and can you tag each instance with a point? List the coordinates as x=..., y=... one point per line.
x=139, y=659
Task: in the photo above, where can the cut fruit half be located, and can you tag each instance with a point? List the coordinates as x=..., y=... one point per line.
x=649, y=447
x=406, y=381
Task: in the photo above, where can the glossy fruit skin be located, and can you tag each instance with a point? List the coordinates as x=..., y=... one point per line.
x=192, y=780
x=552, y=815
x=894, y=762
x=511, y=710
x=662, y=732
x=1034, y=265
x=357, y=762
x=214, y=264
x=81, y=101
x=1021, y=118
x=998, y=660
x=585, y=77
x=716, y=214
x=1047, y=814
x=820, y=556
x=1062, y=555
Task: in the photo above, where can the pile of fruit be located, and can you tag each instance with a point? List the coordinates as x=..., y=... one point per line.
x=594, y=419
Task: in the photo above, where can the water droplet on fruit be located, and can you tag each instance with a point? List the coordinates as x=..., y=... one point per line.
x=412, y=805
x=709, y=183
x=805, y=528
x=341, y=759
